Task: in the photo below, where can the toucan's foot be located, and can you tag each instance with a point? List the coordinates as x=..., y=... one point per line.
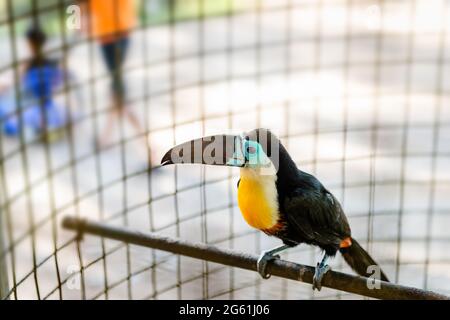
x=263, y=262
x=321, y=270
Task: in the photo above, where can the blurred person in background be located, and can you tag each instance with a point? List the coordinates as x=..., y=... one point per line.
x=36, y=112
x=110, y=23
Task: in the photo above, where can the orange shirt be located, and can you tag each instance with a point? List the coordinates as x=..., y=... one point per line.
x=111, y=17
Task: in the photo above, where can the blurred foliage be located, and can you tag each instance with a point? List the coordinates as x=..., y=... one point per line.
x=159, y=11
x=49, y=14
x=151, y=12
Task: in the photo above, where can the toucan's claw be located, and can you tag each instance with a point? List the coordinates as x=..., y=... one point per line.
x=321, y=270
x=263, y=262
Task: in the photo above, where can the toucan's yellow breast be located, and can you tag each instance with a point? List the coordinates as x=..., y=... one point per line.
x=258, y=200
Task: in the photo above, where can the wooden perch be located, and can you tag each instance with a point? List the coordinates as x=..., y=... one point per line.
x=284, y=269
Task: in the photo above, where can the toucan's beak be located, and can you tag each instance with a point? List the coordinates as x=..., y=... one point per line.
x=219, y=150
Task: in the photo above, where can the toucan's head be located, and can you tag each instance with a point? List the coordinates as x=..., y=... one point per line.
x=258, y=149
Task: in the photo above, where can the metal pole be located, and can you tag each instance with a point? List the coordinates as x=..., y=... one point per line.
x=279, y=268
x=4, y=287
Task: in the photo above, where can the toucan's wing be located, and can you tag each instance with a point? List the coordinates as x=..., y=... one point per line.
x=317, y=216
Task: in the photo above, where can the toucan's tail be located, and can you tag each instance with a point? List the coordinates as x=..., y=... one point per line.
x=360, y=260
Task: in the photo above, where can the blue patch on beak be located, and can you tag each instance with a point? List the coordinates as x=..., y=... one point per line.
x=235, y=162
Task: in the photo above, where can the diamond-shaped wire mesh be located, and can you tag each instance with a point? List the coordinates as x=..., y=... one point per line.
x=357, y=90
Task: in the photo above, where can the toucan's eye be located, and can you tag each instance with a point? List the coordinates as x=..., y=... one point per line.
x=251, y=150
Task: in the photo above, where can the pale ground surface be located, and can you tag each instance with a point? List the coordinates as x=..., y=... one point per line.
x=316, y=88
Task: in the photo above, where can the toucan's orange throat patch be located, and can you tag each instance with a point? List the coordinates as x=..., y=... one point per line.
x=258, y=200
x=346, y=243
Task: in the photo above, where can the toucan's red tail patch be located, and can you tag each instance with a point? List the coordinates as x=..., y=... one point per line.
x=346, y=243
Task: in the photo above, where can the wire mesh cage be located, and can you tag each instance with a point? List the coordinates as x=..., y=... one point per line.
x=358, y=91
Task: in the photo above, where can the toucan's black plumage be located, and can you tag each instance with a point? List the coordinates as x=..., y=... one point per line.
x=306, y=211
x=311, y=214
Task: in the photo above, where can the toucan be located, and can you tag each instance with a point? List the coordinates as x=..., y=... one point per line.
x=280, y=200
